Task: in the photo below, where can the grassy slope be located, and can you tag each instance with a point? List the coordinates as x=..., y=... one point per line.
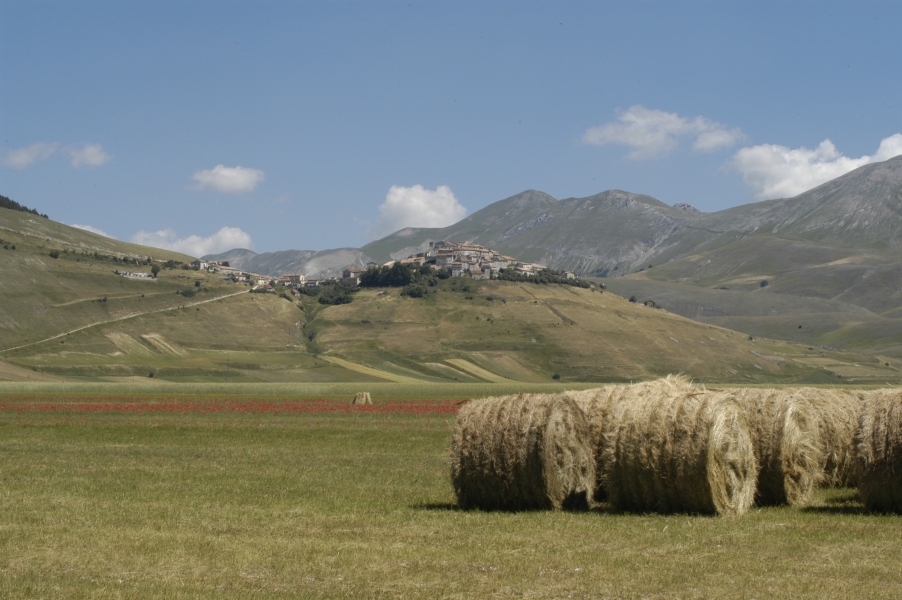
x=358, y=505
x=42, y=296
x=847, y=298
x=579, y=334
x=19, y=226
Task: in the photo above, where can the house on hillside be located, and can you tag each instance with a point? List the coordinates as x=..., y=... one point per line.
x=199, y=264
x=351, y=275
x=294, y=279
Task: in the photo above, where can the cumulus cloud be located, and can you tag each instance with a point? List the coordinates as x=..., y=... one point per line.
x=88, y=155
x=226, y=238
x=92, y=230
x=24, y=157
x=651, y=132
x=774, y=171
x=229, y=180
x=416, y=207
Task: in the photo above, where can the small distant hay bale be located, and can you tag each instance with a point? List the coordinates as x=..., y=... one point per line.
x=878, y=451
x=786, y=432
x=687, y=452
x=598, y=404
x=839, y=411
x=522, y=452
x=362, y=398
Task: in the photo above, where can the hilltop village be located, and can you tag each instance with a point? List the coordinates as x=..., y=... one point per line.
x=459, y=259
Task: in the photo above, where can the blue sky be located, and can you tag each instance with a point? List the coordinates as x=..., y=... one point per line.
x=207, y=125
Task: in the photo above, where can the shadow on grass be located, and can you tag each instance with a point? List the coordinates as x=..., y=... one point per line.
x=847, y=502
x=847, y=496
x=837, y=510
x=436, y=506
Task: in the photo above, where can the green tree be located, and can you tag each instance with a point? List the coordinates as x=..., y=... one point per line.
x=154, y=270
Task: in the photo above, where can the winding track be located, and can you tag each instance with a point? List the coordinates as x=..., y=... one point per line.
x=131, y=316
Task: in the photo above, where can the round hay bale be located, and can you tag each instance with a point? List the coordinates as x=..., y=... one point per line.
x=878, y=451
x=786, y=433
x=839, y=411
x=362, y=398
x=688, y=452
x=523, y=452
x=598, y=404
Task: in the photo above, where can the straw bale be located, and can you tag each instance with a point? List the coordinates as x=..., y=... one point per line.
x=685, y=452
x=598, y=404
x=362, y=398
x=522, y=452
x=878, y=451
x=839, y=411
x=786, y=432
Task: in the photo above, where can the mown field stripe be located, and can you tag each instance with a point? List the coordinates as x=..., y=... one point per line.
x=477, y=371
x=371, y=371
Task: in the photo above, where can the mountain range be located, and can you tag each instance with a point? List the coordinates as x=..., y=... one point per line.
x=616, y=232
x=830, y=254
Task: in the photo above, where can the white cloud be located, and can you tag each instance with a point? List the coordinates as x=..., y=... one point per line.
x=416, y=207
x=88, y=155
x=226, y=238
x=92, y=230
x=774, y=171
x=23, y=157
x=652, y=132
x=229, y=180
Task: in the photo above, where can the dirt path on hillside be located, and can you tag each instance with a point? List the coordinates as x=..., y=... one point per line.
x=126, y=317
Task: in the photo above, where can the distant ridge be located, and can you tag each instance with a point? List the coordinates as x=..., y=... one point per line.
x=313, y=264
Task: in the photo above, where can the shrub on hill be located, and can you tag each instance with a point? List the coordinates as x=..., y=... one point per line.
x=543, y=277
x=417, y=282
x=13, y=205
x=397, y=275
x=337, y=293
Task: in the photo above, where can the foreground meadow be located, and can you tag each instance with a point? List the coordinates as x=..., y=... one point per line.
x=248, y=492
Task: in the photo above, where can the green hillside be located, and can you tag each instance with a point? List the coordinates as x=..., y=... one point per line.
x=787, y=287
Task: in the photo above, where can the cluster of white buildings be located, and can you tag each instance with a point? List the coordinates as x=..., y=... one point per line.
x=465, y=259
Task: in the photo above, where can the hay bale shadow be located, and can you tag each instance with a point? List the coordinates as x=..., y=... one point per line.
x=847, y=503
x=436, y=506
x=573, y=503
x=837, y=510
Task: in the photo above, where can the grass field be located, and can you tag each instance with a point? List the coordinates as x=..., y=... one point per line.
x=248, y=491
